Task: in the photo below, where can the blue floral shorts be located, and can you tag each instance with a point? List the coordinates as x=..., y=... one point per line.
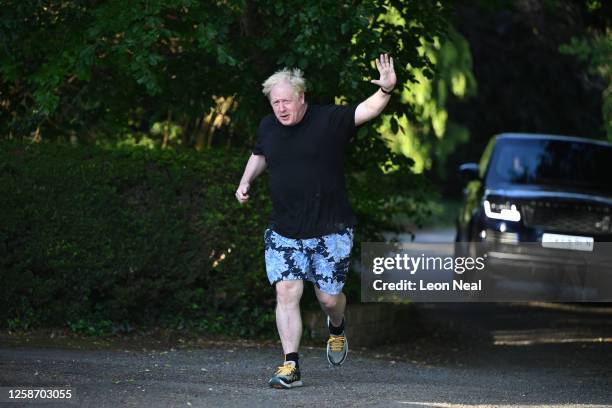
x=324, y=260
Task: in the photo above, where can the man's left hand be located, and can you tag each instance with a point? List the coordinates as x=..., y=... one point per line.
x=387, y=73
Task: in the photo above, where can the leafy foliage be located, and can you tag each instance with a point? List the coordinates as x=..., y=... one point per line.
x=425, y=133
x=131, y=236
x=597, y=51
x=102, y=67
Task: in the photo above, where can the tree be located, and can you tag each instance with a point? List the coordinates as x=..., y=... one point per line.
x=596, y=50
x=112, y=68
x=425, y=133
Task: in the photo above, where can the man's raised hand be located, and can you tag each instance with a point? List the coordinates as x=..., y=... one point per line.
x=387, y=80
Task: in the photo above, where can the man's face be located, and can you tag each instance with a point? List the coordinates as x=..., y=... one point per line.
x=288, y=108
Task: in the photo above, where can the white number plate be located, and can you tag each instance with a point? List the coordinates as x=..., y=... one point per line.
x=573, y=242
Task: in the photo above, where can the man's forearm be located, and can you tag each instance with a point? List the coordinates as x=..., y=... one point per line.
x=254, y=167
x=371, y=107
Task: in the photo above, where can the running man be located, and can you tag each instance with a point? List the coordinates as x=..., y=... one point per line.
x=310, y=234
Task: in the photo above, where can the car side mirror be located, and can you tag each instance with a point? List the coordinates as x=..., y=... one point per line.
x=469, y=171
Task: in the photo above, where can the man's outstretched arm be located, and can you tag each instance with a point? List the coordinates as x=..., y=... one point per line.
x=374, y=105
x=254, y=167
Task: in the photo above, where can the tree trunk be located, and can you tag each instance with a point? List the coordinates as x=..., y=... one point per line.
x=167, y=131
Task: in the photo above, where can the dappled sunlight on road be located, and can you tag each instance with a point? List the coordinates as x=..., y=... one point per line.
x=546, y=336
x=451, y=405
x=575, y=323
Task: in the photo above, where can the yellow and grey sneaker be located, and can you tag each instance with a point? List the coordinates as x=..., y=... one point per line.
x=286, y=376
x=337, y=347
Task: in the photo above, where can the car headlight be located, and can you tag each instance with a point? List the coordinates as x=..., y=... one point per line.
x=501, y=211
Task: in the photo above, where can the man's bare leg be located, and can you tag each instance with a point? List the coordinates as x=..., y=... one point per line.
x=337, y=344
x=332, y=305
x=288, y=318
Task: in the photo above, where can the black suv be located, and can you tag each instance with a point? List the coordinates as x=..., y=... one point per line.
x=536, y=202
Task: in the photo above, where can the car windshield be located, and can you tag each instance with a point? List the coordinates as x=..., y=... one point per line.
x=553, y=163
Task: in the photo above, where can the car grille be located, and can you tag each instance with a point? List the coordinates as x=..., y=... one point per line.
x=567, y=216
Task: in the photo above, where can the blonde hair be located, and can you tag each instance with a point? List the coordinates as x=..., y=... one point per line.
x=294, y=77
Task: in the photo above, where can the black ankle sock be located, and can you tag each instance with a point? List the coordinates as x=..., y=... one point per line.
x=336, y=331
x=293, y=357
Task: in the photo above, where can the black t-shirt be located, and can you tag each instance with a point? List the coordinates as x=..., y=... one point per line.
x=306, y=170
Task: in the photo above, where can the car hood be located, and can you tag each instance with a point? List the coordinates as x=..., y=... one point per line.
x=538, y=194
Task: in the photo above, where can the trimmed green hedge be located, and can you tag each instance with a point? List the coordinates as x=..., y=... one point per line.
x=101, y=240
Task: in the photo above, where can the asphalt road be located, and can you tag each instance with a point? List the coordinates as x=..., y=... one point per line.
x=456, y=355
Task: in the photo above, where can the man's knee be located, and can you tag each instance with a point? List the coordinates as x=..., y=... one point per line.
x=289, y=292
x=329, y=301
